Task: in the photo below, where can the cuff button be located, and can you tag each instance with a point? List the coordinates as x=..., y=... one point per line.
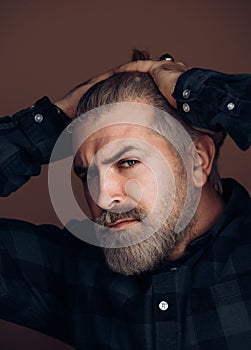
x=38, y=118
x=186, y=107
x=186, y=93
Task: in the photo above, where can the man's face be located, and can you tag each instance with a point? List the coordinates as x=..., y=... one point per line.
x=124, y=166
x=130, y=174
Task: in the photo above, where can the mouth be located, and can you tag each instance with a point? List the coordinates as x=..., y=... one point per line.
x=119, y=224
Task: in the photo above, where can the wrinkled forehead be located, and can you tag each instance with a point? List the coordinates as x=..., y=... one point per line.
x=113, y=142
x=118, y=120
x=127, y=119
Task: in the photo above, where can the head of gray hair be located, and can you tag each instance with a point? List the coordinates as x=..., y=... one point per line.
x=140, y=87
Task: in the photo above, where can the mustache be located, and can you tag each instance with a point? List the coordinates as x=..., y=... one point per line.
x=109, y=217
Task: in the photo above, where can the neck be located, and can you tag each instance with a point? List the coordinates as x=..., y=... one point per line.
x=209, y=211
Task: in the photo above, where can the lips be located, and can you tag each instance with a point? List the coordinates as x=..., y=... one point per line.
x=122, y=223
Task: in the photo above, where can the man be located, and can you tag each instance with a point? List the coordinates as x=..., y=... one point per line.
x=137, y=180
x=196, y=296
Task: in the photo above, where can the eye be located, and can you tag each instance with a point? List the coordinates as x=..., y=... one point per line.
x=128, y=163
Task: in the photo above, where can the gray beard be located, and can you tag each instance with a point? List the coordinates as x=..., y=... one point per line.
x=155, y=249
x=150, y=253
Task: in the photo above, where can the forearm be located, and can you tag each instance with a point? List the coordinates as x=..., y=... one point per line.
x=31, y=276
x=26, y=142
x=215, y=101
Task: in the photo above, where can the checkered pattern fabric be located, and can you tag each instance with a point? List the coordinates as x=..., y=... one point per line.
x=53, y=282
x=213, y=100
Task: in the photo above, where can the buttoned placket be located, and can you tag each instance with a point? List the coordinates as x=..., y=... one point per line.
x=165, y=309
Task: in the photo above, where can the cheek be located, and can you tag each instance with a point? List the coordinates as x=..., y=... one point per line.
x=159, y=189
x=143, y=189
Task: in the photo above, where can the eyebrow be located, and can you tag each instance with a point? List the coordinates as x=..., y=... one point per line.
x=81, y=170
x=119, y=154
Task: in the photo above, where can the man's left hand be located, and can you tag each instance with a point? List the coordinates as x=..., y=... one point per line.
x=164, y=73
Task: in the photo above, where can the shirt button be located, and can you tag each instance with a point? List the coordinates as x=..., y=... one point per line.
x=38, y=118
x=186, y=93
x=163, y=305
x=186, y=107
x=230, y=106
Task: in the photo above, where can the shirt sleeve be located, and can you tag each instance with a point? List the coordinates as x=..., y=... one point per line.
x=216, y=101
x=26, y=142
x=32, y=277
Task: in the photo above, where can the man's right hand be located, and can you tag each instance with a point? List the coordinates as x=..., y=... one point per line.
x=164, y=73
x=68, y=104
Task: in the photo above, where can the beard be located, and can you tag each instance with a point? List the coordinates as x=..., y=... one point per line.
x=150, y=252
x=158, y=234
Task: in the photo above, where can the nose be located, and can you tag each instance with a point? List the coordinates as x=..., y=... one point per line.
x=108, y=190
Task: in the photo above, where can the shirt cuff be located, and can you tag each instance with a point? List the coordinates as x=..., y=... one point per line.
x=213, y=100
x=190, y=83
x=42, y=124
x=196, y=105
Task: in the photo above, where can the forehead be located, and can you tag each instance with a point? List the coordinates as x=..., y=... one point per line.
x=123, y=122
x=114, y=138
x=128, y=119
x=120, y=114
x=118, y=132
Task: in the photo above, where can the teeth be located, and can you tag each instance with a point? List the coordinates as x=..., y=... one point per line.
x=108, y=218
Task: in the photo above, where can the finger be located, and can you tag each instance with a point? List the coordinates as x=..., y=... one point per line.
x=148, y=66
x=100, y=77
x=139, y=66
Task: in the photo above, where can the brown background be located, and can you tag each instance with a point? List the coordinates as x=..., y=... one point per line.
x=47, y=47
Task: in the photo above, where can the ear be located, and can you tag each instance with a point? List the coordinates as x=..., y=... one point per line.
x=203, y=159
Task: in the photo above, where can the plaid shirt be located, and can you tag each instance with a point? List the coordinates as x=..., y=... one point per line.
x=213, y=100
x=52, y=282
